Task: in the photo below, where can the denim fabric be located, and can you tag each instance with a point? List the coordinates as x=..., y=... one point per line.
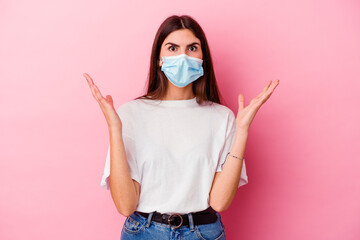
x=137, y=226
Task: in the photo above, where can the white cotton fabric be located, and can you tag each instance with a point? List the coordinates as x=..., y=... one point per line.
x=173, y=149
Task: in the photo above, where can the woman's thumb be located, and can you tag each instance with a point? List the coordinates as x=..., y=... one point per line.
x=109, y=99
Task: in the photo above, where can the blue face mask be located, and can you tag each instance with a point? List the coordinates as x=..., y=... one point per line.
x=182, y=69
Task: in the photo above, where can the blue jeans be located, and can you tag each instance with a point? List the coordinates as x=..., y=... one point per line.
x=137, y=226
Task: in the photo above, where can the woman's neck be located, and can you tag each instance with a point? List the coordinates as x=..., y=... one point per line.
x=175, y=93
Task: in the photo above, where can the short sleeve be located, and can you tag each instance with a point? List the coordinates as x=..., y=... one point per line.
x=229, y=139
x=130, y=157
x=130, y=149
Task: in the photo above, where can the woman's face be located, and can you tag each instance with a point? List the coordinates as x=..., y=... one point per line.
x=181, y=41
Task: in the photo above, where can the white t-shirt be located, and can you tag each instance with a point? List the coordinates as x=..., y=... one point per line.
x=173, y=149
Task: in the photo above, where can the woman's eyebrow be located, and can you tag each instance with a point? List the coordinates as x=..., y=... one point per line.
x=178, y=45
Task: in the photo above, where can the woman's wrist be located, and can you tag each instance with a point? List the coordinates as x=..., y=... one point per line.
x=115, y=129
x=242, y=130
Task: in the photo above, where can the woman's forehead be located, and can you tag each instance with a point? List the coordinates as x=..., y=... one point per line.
x=181, y=37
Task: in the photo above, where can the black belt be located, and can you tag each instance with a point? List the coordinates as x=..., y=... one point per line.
x=177, y=220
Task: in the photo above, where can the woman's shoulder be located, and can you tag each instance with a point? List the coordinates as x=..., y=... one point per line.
x=221, y=110
x=127, y=108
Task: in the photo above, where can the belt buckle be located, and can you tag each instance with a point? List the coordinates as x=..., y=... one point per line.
x=174, y=215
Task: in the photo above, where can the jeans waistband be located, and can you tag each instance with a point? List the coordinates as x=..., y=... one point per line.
x=176, y=220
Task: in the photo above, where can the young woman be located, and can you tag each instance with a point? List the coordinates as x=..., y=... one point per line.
x=175, y=158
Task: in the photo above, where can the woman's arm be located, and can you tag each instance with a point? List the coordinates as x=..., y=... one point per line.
x=225, y=183
x=124, y=190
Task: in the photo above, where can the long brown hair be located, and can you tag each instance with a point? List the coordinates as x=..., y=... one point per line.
x=204, y=88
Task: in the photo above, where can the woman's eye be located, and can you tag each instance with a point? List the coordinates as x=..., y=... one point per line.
x=171, y=47
x=194, y=48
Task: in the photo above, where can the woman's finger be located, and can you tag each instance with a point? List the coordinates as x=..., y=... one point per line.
x=267, y=86
x=271, y=89
x=93, y=91
x=88, y=81
x=241, y=101
x=91, y=84
x=264, y=90
x=276, y=82
x=88, y=78
x=97, y=91
x=109, y=99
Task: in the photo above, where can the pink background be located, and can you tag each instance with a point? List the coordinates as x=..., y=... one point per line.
x=302, y=152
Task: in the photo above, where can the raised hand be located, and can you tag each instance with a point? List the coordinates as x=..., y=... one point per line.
x=106, y=105
x=246, y=114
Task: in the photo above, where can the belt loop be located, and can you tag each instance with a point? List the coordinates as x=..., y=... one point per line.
x=191, y=221
x=149, y=219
